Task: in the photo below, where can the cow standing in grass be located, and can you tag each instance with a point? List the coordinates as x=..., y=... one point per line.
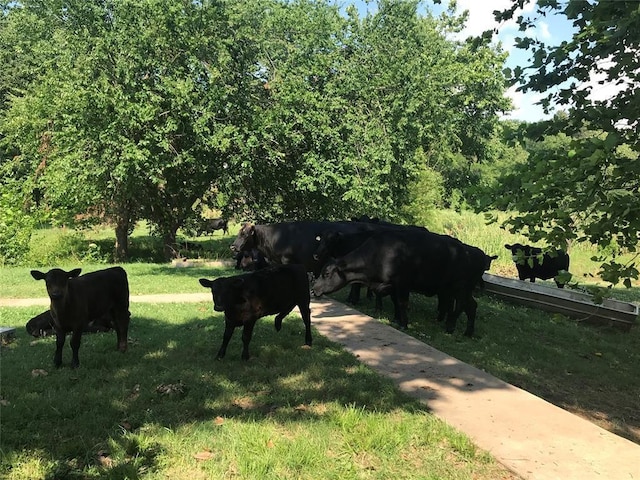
x=400, y=261
x=246, y=298
x=533, y=262
x=210, y=225
x=76, y=300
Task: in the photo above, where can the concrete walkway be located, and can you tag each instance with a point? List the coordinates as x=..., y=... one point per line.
x=532, y=437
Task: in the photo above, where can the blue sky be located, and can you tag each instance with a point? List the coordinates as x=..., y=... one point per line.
x=552, y=30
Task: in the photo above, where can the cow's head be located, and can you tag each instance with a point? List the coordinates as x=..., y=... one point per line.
x=57, y=281
x=517, y=252
x=325, y=242
x=487, y=261
x=514, y=248
x=245, y=239
x=331, y=278
x=224, y=291
x=249, y=261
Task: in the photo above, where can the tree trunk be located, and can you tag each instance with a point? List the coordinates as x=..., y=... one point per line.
x=170, y=248
x=121, y=252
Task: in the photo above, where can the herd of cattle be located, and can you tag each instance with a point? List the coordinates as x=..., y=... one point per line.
x=287, y=262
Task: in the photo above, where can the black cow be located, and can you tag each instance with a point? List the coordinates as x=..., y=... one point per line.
x=76, y=300
x=251, y=260
x=398, y=262
x=246, y=298
x=291, y=242
x=533, y=263
x=479, y=262
x=43, y=325
x=476, y=263
x=334, y=244
x=210, y=225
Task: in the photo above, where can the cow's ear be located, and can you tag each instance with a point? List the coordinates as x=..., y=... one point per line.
x=74, y=273
x=493, y=257
x=507, y=246
x=205, y=283
x=37, y=274
x=253, y=230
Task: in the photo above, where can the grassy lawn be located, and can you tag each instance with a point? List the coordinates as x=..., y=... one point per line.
x=168, y=409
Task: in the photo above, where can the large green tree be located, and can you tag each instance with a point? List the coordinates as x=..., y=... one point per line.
x=133, y=115
x=588, y=190
x=281, y=109
x=357, y=108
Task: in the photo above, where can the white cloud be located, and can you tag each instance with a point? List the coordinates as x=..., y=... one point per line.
x=524, y=107
x=603, y=89
x=543, y=27
x=481, y=15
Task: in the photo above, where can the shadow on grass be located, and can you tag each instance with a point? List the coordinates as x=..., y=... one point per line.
x=149, y=248
x=75, y=419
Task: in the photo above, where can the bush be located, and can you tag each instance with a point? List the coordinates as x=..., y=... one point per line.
x=16, y=228
x=425, y=197
x=51, y=248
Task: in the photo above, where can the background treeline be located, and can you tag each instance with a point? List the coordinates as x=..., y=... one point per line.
x=119, y=111
x=123, y=110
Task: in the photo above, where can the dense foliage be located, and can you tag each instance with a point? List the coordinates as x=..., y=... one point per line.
x=122, y=110
x=582, y=180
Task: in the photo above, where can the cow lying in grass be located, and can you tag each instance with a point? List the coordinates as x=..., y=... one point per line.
x=246, y=298
x=43, y=325
x=76, y=300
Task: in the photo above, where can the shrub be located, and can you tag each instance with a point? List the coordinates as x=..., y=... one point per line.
x=16, y=228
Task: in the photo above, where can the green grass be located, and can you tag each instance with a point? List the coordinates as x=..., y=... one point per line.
x=289, y=412
x=144, y=278
x=472, y=229
x=65, y=247
x=168, y=409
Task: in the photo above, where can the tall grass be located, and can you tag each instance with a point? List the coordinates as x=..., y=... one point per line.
x=473, y=229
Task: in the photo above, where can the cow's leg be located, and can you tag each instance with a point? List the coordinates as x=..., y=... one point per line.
x=122, y=329
x=445, y=303
x=280, y=317
x=470, y=310
x=76, y=336
x=57, y=357
x=463, y=302
x=402, y=307
x=247, y=332
x=397, y=317
x=354, y=294
x=378, y=306
x=228, y=332
x=305, y=312
x=451, y=307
